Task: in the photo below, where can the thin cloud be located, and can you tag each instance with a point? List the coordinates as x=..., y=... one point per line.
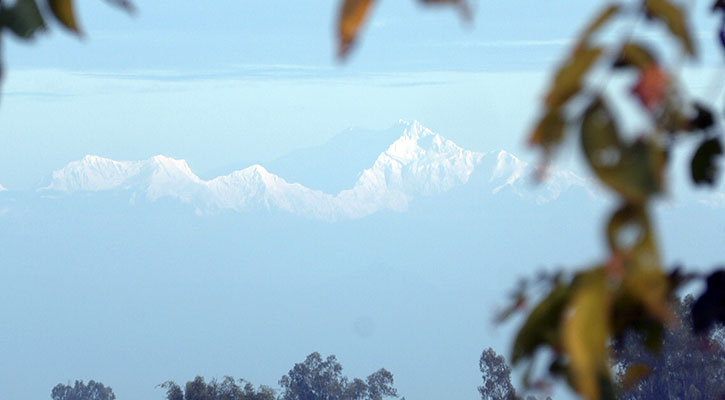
x=505, y=43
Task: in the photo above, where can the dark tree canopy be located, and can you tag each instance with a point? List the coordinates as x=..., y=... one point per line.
x=496, y=376
x=318, y=379
x=227, y=389
x=80, y=391
x=688, y=366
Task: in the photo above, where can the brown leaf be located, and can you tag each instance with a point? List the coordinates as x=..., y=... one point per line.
x=549, y=130
x=635, y=55
x=674, y=18
x=598, y=21
x=63, y=12
x=567, y=81
x=352, y=15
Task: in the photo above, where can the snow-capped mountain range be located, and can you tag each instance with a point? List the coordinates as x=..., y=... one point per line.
x=419, y=163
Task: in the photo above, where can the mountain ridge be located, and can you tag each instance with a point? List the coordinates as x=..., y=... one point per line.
x=419, y=163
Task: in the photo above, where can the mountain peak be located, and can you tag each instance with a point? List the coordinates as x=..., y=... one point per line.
x=415, y=129
x=411, y=161
x=163, y=164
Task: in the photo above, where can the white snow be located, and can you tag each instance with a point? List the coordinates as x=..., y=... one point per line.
x=419, y=163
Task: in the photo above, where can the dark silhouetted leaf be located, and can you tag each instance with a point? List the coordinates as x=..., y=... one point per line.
x=23, y=18
x=710, y=307
x=703, y=118
x=518, y=303
x=63, y=11
x=352, y=15
x=674, y=18
x=462, y=5
x=125, y=5
x=703, y=166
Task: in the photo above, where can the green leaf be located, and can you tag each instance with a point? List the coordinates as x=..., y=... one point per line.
x=634, y=171
x=542, y=324
x=674, y=18
x=23, y=18
x=703, y=167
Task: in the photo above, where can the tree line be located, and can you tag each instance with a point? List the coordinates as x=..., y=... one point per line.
x=313, y=379
x=681, y=363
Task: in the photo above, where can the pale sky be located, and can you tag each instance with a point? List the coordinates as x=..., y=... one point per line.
x=250, y=81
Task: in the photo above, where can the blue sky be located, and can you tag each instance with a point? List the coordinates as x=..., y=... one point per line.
x=250, y=81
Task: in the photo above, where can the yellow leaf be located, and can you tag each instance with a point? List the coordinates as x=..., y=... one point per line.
x=651, y=288
x=352, y=16
x=567, y=81
x=630, y=235
x=674, y=18
x=635, y=171
x=63, y=11
x=585, y=331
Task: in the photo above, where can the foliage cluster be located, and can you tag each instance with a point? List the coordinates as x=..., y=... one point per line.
x=227, y=389
x=688, y=366
x=581, y=313
x=80, y=391
x=314, y=379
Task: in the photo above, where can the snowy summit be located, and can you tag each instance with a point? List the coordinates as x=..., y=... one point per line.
x=418, y=163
